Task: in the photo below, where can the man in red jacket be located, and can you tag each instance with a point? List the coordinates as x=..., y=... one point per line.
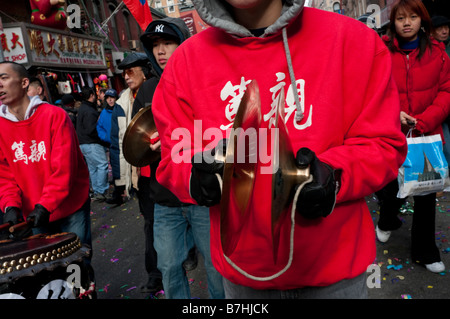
x=341, y=110
x=43, y=176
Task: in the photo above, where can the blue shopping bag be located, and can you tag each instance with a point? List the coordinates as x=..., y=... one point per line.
x=425, y=169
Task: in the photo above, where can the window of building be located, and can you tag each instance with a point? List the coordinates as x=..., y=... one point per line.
x=336, y=7
x=126, y=16
x=170, y=6
x=114, y=31
x=98, y=14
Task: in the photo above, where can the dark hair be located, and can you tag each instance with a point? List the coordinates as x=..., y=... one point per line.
x=18, y=68
x=37, y=81
x=86, y=92
x=146, y=70
x=424, y=33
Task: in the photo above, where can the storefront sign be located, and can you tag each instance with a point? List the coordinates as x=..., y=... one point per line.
x=12, y=42
x=24, y=43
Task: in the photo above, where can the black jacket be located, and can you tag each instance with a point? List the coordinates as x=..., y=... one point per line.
x=87, y=123
x=158, y=193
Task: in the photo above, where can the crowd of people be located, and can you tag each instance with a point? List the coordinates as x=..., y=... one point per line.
x=351, y=136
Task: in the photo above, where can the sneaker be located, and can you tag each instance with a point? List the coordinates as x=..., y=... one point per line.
x=382, y=235
x=436, y=267
x=191, y=262
x=98, y=197
x=153, y=285
x=114, y=200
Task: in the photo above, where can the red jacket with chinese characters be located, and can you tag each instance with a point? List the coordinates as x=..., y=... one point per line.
x=351, y=121
x=41, y=163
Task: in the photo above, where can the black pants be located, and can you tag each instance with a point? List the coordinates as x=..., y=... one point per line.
x=146, y=205
x=423, y=242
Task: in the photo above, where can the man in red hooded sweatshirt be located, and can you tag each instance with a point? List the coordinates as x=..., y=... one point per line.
x=341, y=110
x=43, y=176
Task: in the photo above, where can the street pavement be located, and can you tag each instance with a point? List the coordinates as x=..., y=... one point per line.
x=118, y=257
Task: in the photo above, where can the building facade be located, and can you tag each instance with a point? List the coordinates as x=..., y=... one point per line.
x=75, y=55
x=379, y=10
x=183, y=9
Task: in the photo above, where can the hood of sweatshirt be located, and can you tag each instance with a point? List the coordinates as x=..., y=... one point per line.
x=216, y=13
x=180, y=29
x=35, y=101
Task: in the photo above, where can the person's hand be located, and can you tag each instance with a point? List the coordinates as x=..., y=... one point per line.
x=39, y=216
x=205, y=185
x=317, y=198
x=155, y=142
x=408, y=120
x=13, y=215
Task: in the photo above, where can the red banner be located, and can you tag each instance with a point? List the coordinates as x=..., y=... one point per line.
x=140, y=11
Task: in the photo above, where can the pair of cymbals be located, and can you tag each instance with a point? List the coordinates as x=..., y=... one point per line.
x=240, y=170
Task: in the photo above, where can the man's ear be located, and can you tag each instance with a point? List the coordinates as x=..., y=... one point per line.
x=25, y=83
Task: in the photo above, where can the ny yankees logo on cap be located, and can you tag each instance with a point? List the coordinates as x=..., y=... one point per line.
x=159, y=28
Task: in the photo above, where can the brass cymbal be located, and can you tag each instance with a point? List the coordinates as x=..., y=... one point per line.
x=240, y=168
x=286, y=175
x=136, y=141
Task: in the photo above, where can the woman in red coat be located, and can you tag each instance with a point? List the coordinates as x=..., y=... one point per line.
x=421, y=70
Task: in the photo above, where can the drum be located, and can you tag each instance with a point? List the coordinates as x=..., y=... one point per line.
x=45, y=267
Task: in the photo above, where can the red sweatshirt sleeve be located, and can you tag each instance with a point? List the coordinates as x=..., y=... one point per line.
x=174, y=122
x=10, y=193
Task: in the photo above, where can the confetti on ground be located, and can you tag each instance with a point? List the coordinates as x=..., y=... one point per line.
x=395, y=267
x=104, y=289
x=406, y=296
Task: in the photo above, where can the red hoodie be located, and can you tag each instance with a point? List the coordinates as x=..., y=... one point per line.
x=351, y=121
x=41, y=163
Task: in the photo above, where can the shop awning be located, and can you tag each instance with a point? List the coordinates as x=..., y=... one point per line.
x=33, y=45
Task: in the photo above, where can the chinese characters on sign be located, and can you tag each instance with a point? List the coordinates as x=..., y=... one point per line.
x=48, y=47
x=40, y=46
x=13, y=45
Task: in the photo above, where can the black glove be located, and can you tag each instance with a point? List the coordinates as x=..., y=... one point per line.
x=13, y=215
x=318, y=197
x=39, y=216
x=205, y=187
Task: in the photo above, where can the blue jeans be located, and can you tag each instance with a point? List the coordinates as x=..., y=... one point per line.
x=97, y=162
x=355, y=288
x=446, y=132
x=173, y=241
